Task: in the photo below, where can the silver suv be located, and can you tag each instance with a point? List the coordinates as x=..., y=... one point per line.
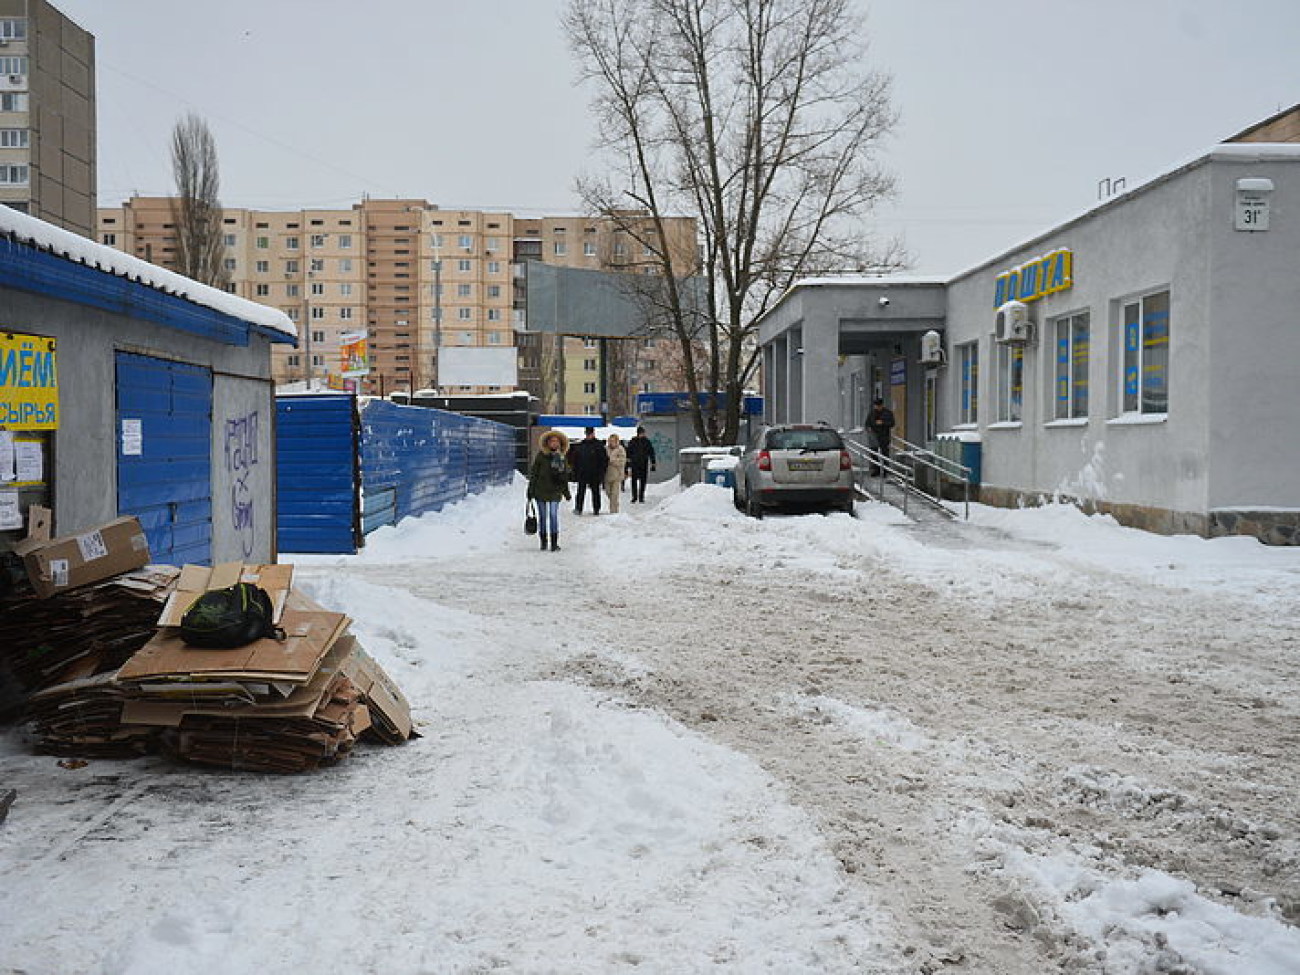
x=793, y=465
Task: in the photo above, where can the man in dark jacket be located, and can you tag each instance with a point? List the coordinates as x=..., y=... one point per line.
x=588, y=460
x=640, y=460
x=880, y=424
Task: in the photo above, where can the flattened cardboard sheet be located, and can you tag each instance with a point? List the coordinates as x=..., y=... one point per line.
x=309, y=635
x=198, y=579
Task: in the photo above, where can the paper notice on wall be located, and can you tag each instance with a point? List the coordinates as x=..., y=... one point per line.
x=11, y=516
x=132, y=437
x=29, y=460
x=6, y=456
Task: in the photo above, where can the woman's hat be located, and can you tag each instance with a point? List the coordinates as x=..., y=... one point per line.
x=564, y=441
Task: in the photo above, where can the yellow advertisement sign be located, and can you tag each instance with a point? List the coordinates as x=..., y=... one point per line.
x=354, y=357
x=29, y=384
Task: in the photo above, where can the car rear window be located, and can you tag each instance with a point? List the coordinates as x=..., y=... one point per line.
x=803, y=440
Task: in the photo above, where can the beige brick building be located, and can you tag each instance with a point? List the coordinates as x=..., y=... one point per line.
x=47, y=115
x=417, y=278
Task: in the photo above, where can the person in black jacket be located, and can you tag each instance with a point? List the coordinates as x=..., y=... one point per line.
x=640, y=460
x=880, y=424
x=588, y=460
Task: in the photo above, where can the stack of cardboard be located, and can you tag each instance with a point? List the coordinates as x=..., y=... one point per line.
x=79, y=633
x=83, y=718
x=272, y=705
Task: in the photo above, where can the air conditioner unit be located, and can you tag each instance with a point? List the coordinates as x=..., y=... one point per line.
x=1013, y=325
x=16, y=79
x=932, y=349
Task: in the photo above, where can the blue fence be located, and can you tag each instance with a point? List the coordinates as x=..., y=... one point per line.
x=318, y=476
x=398, y=461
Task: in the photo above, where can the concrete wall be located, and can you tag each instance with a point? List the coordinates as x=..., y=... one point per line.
x=85, y=445
x=243, y=470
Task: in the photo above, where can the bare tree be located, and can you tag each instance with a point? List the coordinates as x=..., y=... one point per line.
x=760, y=118
x=196, y=208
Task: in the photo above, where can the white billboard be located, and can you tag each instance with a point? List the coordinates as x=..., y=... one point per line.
x=478, y=367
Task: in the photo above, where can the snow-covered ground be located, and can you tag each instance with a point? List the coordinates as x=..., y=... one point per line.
x=694, y=742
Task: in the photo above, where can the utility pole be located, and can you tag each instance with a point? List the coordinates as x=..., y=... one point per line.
x=437, y=316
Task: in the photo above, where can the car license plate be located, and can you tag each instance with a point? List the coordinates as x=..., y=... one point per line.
x=804, y=465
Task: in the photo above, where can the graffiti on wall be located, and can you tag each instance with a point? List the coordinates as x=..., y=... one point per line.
x=241, y=459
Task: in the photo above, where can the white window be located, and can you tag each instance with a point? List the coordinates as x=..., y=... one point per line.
x=494, y=314
x=263, y=243
x=968, y=357
x=561, y=248
x=293, y=360
x=291, y=267
x=493, y=245
x=465, y=314
x=262, y=267
x=14, y=175
x=345, y=289
x=589, y=365
x=291, y=291
x=1146, y=354
x=494, y=267
x=437, y=240
x=317, y=288
x=317, y=360
x=13, y=65
x=462, y=291
x=317, y=335
x=13, y=29
x=13, y=101
x=464, y=265
x=588, y=387
x=292, y=313
x=263, y=290
x=620, y=249
x=494, y=291
x=110, y=239
x=588, y=248
x=466, y=338
x=494, y=338
x=317, y=264
x=229, y=240
x=345, y=241
x=1070, y=375
x=1011, y=383
x=465, y=241
x=317, y=240
x=317, y=312
x=345, y=265
x=228, y=263
x=291, y=243
x=14, y=138
x=588, y=342
x=345, y=312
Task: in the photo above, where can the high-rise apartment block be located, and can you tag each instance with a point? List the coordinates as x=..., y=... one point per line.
x=47, y=115
x=418, y=279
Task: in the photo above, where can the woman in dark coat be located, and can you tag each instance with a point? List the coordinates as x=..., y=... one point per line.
x=548, y=482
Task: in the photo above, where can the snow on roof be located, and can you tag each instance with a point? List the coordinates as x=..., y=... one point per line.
x=76, y=248
x=882, y=280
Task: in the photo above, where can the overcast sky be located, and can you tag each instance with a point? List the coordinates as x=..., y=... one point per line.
x=1012, y=110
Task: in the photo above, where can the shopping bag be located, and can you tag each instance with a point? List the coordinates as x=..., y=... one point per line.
x=530, y=519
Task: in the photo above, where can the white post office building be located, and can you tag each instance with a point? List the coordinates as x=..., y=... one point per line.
x=1142, y=359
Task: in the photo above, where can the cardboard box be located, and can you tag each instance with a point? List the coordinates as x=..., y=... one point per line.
x=59, y=564
x=198, y=579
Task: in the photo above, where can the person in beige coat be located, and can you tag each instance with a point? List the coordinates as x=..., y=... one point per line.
x=616, y=471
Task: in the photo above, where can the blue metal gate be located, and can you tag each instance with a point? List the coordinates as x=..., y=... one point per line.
x=164, y=455
x=317, y=480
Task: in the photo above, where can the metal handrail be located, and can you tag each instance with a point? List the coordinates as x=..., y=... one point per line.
x=942, y=466
x=904, y=473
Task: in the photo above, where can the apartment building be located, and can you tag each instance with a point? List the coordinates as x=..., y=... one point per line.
x=47, y=115
x=418, y=279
